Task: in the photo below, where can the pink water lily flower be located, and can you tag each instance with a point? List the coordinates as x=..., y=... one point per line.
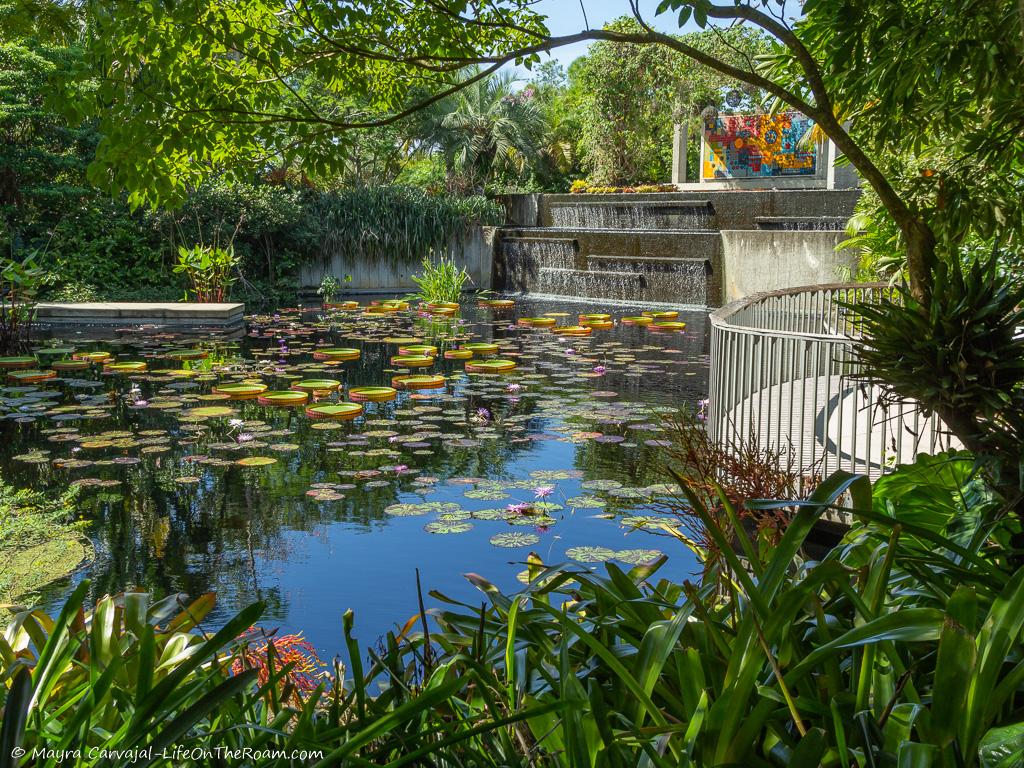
x=543, y=491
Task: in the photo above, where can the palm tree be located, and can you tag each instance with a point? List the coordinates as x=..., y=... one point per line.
x=486, y=128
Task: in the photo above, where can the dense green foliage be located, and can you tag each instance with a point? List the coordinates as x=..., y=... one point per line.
x=100, y=248
x=388, y=224
x=43, y=158
x=94, y=246
x=900, y=646
x=629, y=98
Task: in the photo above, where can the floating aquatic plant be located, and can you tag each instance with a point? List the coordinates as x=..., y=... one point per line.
x=590, y=554
x=511, y=540
x=448, y=526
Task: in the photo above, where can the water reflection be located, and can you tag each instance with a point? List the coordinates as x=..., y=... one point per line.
x=338, y=519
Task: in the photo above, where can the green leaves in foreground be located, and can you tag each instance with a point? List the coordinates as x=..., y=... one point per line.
x=899, y=647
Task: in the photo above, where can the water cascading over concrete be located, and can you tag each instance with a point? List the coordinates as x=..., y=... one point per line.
x=649, y=248
x=621, y=250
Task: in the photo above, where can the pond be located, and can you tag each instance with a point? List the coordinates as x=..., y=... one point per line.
x=191, y=490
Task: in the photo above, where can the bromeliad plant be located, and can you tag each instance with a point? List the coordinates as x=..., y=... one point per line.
x=209, y=269
x=902, y=647
x=139, y=676
x=130, y=674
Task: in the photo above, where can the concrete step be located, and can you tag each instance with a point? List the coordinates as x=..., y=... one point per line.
x=801, y=223
x=571, y=233
x=647, y=261
x=165, y=314
x=625, y=201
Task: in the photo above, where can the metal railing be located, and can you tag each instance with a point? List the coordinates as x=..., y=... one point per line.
x=784, y=375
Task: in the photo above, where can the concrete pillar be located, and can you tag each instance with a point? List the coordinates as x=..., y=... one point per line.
x=679, y=153
x=830, y=164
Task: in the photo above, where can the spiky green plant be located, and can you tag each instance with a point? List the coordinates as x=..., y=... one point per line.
x=441, y=281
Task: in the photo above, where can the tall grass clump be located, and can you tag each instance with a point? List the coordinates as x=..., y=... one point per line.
x=441, y=281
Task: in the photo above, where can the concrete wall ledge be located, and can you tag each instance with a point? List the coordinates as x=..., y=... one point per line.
x=759, y=260
x=138, y=313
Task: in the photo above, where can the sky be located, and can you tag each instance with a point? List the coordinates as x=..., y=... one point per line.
x=566, y=17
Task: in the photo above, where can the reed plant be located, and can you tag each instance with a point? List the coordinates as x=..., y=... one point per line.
x=441, y=281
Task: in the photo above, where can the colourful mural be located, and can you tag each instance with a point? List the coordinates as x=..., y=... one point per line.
x=758, y=146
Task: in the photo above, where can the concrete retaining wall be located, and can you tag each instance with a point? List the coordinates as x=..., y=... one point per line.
x=733, y=209
x=473, y=250
x=521, y=209
x=769, y=260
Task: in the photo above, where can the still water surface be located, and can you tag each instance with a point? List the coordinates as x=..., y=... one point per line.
x=317, y=531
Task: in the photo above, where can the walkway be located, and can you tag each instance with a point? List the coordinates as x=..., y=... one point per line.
x=784, y=374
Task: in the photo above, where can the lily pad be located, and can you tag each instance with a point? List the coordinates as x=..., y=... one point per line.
x=585, y=501
x=256, y=461
x=485, y=494
x=317, y=385
x=283, y=398
x=372, y=394
x=600, y=485
x=448, y=526
x=209, y=412
x=638, y=556
x=590, y=554
x=511, y=540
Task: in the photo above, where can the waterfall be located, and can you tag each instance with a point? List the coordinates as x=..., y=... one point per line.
x=621, y=250
x=658, y=248
x=687, y=215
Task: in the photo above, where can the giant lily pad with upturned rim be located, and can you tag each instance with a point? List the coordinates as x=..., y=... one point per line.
x=493, y=365
x=336, y=353
x=339, y=411
x=372, y=394
x=284, y=398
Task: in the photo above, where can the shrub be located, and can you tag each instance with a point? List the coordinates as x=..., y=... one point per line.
x=74, y=292
x=209, y=270
x=725, y=476
x=98, y=241
x=20, y=283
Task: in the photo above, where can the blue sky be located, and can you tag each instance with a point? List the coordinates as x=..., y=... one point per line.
x=566, y=17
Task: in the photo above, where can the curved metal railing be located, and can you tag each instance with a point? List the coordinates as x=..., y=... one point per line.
x=784, y=374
